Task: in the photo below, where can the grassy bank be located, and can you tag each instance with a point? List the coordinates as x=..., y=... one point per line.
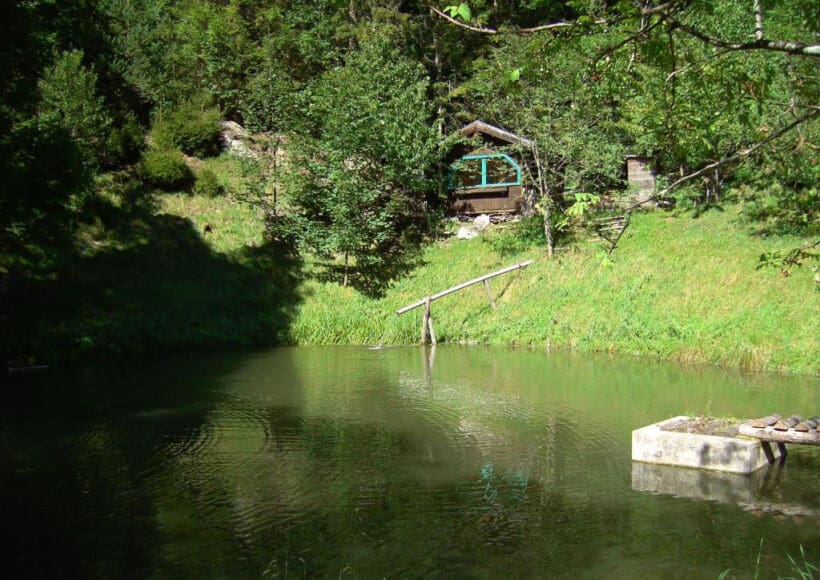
x=178, y=272
x=678, y=288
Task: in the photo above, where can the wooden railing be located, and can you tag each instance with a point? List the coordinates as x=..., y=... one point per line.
x=427, y=322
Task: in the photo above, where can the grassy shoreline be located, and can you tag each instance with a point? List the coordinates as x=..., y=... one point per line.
x=678, y=288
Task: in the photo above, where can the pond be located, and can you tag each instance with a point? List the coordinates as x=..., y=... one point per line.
x=392, y=462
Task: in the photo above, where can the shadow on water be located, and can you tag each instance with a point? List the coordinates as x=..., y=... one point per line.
x=131, y=280
x=92, y=464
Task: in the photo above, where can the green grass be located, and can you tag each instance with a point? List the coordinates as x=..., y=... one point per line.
x=679, y=288
x=149, y=277
x=234, y=224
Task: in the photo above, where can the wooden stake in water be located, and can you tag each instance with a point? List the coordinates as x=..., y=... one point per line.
x=425, y=321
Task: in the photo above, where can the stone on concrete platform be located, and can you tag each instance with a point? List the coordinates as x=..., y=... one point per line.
x=655, y=444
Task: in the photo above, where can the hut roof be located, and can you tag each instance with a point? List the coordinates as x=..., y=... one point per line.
x=481, y=127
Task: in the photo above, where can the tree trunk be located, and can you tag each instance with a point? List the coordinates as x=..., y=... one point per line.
x=546, y=210
x=758, y=7
x=347, y=262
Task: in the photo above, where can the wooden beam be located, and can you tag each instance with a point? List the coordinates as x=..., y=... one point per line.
x=463, y=285
x=769, y=434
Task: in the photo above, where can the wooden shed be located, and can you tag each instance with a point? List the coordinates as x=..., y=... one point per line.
x=487, y=176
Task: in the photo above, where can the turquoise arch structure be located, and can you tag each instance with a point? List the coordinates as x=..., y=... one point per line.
x=484, y=158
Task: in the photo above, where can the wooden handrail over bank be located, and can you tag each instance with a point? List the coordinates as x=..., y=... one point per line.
x=427, y=322
x=463, y=285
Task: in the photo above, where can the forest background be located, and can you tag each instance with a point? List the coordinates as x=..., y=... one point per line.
x=106, y=104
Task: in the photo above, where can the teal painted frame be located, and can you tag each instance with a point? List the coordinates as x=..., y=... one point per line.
x=483, y=159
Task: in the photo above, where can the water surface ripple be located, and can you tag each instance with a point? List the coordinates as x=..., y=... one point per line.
x=350, y=462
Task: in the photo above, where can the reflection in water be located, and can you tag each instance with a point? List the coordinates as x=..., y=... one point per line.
x=766, y=491
x=392, y=462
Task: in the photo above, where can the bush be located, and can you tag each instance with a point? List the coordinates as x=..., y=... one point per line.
x=189, y=127
x=207, y=184
x=124, y=143
x=165, y=169
x=519, y=236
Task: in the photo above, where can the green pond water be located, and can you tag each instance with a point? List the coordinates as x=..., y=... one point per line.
x=393, y=462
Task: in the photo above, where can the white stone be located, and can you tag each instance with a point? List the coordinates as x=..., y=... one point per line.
x=481, y=222
x=466, y=233
x=652, y=444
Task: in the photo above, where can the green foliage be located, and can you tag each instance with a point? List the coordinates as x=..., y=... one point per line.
x=518, y=237
x=207, y=184
x=360, y=186
x=790, y=257
x=191, y=127
x=462, y=11
x=165, y=169
x=69, y=98
x=270, y=101
x=125, y=142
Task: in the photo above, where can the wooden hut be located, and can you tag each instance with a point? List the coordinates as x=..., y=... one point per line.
x=486, y=176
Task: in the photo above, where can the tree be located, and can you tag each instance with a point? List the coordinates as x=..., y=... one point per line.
x=683, y=80
x=69, y=99
x=361, y=188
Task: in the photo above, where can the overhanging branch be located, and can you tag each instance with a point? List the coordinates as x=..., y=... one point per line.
x=665, y=11
x=641, y=12
x=798, y=48
x=742, y=154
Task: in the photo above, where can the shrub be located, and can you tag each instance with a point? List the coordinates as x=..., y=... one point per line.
x=189, y=127
x=165, y=169
x=519, y=236
x=207, y=184
x=124, y=143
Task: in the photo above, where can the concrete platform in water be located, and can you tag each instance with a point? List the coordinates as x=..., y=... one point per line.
x=660, y=443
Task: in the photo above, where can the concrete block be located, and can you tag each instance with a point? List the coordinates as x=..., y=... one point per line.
x=655, y=444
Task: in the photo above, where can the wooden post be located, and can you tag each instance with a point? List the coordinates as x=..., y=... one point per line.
x=767, y=450
x=430, y=329
x=425, y=322
x=489, y=292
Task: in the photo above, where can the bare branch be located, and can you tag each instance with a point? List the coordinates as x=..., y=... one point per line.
x=797, y=48
x=461, y=23
x=664, y=10
x=742, y=154
x=640, y=12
